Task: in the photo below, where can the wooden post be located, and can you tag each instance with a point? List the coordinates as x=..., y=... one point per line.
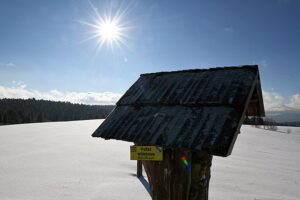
x=139, y=172
x=171, y=180
x=201, y=163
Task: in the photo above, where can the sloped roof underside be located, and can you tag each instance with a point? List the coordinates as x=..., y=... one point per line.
x=173, y=126
x=199, y=109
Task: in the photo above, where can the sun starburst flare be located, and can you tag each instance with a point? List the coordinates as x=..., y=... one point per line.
x=107, y=28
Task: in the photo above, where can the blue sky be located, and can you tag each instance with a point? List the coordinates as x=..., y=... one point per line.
x=43, y=52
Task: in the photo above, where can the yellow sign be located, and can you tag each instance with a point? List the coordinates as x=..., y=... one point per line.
x=146, y=153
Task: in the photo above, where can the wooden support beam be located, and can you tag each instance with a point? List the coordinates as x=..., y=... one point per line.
x=170, y=179
x=139, y=171
x=201, y=163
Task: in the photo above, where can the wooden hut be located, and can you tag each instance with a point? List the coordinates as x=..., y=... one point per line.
x=193, y=114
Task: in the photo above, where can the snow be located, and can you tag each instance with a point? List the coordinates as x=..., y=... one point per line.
x=62, y=161
x=264, y=165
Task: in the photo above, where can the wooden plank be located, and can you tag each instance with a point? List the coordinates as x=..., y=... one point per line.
x=243, y=115
x=139, y=171
x=170, y=179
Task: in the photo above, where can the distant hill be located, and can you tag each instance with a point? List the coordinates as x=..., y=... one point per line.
x=17, y=111
x=291, y=123
x=284, y=116
x=269, y=122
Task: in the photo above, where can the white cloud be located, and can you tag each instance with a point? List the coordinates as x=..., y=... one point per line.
x=273, y=101
x=229, y=29
x=263, y=63
x=21, y=91
x=295, y=101
x=7, y=64
x=276, y=102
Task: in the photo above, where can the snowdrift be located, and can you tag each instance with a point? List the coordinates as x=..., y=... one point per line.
x=62, y=161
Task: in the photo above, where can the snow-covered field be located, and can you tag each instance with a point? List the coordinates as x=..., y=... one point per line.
x=62, y=161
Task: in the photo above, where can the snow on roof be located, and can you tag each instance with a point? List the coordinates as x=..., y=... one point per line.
x=199, y=109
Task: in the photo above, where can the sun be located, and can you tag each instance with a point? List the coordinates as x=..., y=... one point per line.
x=107, y=28
x=109, y=31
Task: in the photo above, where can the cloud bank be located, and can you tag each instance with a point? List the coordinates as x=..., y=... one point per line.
x=276, y=102
x=295, y=101
x=272, y=100
x=92, y=98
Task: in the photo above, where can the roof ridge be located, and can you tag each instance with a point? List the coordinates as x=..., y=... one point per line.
x=203, y=69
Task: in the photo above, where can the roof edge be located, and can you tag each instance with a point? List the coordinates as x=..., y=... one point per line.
x=251, y=67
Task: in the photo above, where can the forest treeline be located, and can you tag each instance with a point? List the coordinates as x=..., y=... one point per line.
x=268, y=122
x=17, y=111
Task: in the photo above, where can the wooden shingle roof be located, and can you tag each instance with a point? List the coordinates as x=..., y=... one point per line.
x=200, y=109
